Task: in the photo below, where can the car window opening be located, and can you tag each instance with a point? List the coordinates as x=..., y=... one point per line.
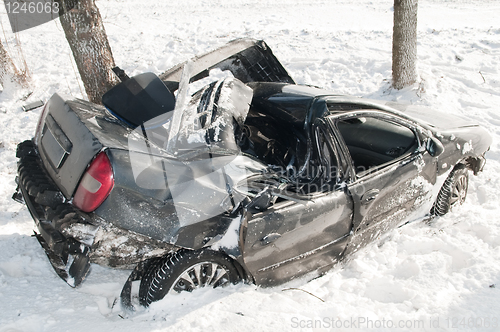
x=373, y=142
x=271, y=141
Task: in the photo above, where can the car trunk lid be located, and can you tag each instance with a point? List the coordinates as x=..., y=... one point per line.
x=71, y=134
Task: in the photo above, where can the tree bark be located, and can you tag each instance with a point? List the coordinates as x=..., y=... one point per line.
x=404, y=43
x=87, y=38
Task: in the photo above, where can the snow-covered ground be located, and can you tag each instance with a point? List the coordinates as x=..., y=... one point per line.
x=442, y=276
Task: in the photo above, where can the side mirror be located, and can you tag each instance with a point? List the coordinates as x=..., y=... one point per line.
x=434, y=147
x=260, y=202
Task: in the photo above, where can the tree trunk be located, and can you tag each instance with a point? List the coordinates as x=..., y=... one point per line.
x=404, y=43
x=88, y=41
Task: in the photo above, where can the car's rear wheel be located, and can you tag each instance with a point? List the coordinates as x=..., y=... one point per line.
x=453, y=192
x=186, y=270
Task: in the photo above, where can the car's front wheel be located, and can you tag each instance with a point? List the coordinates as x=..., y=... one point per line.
x=186, y=270
x=453, y=192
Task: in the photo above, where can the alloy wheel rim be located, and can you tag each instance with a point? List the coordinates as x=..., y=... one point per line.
x=201, y=275
x=459, y=191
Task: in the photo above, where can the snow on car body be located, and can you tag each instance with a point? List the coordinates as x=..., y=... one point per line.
x=262, y=179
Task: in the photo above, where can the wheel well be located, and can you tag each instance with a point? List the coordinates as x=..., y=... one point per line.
x=239, y=267
x=475, y=164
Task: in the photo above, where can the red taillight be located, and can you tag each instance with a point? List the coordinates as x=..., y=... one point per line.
x=96, y=184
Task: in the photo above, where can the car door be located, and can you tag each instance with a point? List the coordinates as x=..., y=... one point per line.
x=391, y=174
x=306, y=231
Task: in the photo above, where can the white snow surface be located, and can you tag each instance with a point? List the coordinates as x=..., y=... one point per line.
x=442, y=276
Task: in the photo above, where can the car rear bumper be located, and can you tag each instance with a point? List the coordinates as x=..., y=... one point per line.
x=54, y=218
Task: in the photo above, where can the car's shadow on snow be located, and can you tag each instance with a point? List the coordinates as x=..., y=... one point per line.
x=173, y=307
x=103, y=285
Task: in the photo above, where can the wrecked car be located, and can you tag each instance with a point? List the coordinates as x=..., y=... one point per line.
x=251, y=177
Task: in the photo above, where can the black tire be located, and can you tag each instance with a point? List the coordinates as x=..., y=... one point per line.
x=453, y=192
x=150, y=269
x=186, y=270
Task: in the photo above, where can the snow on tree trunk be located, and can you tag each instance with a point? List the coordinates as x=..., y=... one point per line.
x=404, y=43
x=88, y=41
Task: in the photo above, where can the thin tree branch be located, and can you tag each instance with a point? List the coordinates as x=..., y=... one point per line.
x=482, y=76
x=286, y=289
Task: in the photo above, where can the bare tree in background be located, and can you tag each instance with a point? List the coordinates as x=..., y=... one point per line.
x=404, y=43
x=87, y=38
x=9, y=71
x=6, y=65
